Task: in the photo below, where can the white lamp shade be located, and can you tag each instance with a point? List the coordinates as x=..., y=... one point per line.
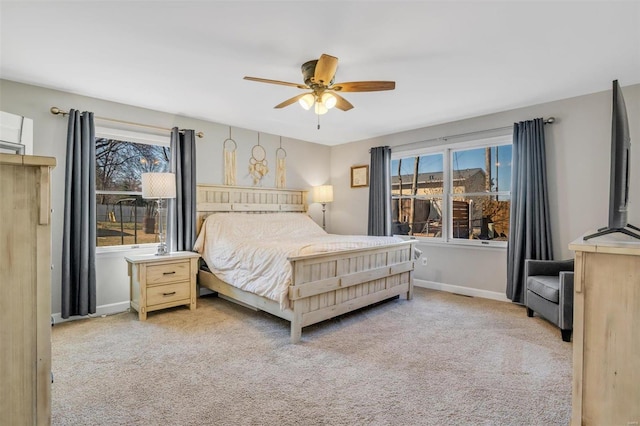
x=307, y=101
x=329, y=100
x=323, y=194
x=158, y=185
x=320, y=109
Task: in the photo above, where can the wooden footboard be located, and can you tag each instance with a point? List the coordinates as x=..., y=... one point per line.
x=331, y=284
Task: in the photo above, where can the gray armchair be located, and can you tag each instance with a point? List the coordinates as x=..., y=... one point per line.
x=549, y=292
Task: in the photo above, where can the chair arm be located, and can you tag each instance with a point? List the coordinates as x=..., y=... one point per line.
x=565, y=300
x=546, y=267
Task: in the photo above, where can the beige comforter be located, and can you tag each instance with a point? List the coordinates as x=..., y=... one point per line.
x=250, y=251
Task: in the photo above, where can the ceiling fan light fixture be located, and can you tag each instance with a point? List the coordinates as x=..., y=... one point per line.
x=320, y=109
x=307, y=101
x=322, y=93
x=328, y=100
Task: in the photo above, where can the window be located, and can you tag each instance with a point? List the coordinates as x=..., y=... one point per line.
x=417, y=190
x=456, y=193
x=123, y=217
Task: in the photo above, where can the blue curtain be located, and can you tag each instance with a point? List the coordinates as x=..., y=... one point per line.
x=181, y=214
x=529, y=225
x=380, y=192
x=79, y=232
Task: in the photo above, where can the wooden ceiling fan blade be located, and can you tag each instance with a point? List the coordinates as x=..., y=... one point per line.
x=342, y=103
x=325, y=69
x=282, y=83
x=290, y=101
x=364, y=86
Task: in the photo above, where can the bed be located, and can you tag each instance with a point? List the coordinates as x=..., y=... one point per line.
x=319, y=284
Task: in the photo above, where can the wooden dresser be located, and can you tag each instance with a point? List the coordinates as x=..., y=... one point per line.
x=606, y=331
x=25, y=289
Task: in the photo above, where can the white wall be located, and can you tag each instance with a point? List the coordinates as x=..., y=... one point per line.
x=308, y=164
x=578, y=151
x=578, y=146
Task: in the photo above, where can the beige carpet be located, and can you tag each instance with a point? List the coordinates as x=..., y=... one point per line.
x=439, y=359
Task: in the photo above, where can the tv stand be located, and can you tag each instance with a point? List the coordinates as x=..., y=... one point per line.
x=606, y=324
x=606, y=230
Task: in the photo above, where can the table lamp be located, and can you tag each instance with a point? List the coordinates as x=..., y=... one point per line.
x=323, y=194
x=159, y=186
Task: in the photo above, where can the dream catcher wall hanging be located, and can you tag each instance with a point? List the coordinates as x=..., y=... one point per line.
x=229, y=148
x=258, y=163
x=281, y=166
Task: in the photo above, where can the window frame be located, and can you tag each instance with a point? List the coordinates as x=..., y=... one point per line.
x=447, y=170
x=135, y=137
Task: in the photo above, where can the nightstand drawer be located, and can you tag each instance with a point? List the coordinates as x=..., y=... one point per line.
x=168, y=273
x=160, y=294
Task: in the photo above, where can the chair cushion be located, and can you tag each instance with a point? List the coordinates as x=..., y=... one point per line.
x=545, y=286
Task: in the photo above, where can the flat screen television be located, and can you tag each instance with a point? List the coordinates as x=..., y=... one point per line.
x=619, y=174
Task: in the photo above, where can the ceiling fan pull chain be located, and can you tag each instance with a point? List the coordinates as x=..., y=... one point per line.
x=318, y=121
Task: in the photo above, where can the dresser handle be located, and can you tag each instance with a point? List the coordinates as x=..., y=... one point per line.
x=169, y=294
x=169, y=273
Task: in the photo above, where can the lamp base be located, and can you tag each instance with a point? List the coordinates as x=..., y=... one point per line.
x=324, y=205
x=162, y=250
x=162, y=236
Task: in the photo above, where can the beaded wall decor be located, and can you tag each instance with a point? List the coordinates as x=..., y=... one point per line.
x=229, y=147
x=281, y=166
x=258, y=163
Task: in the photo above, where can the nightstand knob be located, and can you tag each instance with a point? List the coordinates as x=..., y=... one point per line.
x=169, y=273
x=169, y=294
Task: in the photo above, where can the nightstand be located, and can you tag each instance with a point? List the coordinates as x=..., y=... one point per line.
x=159, y=282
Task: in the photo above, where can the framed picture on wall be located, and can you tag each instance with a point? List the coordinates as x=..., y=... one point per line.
x=359, y=176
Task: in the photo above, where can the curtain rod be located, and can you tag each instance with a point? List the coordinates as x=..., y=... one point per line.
x=56, y=111
x=549, y=120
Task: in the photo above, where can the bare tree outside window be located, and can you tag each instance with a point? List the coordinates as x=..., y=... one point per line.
x=482, y=180
x=416, y=190
x=123, y=217
x=453, y=194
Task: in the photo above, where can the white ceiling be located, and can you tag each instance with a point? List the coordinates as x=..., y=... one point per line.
x=449, y=60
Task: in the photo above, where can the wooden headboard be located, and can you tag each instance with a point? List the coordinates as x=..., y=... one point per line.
x=242, y=199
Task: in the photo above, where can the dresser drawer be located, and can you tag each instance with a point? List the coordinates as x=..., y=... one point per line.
x=168, y=293
x=168, y=273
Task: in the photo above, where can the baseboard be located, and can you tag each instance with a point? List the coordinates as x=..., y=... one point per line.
x=103, y=310
x=466, y=291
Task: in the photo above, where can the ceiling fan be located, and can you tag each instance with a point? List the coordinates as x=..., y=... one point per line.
x=318, y=76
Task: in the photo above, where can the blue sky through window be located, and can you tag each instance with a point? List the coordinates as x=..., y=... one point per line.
x=465, y=159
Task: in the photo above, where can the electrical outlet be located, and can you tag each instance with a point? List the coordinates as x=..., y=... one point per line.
x=423, y=261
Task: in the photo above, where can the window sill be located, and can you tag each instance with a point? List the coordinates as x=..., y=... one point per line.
x=118, y=251
x=471, y=244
